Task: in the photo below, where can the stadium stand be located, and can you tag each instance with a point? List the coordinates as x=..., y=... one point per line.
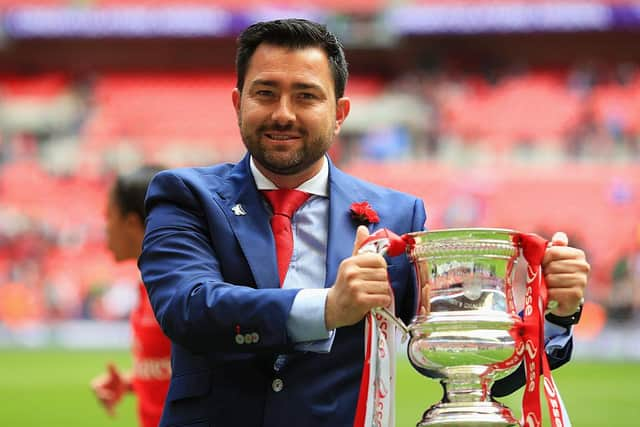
x=536, y=148
x=187, y=118
x=190, y=118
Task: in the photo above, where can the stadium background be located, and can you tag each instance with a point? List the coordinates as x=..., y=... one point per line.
x=497, y=113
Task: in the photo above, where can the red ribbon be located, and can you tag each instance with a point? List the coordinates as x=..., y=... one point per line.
x=535, y=358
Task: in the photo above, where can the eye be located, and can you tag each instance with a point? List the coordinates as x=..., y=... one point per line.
x=264, y=93
x=307, y=95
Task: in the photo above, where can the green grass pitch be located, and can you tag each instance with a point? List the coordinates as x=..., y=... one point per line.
x=50, y=388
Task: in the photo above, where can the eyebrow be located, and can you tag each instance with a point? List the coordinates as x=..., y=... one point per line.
x=297, y=86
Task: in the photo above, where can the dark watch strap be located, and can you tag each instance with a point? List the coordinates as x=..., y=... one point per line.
x=565, y=321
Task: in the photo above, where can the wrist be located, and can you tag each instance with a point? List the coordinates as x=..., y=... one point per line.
x=566, y=321
x=329, y=320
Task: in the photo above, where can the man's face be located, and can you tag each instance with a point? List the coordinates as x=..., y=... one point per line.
x=287, y=111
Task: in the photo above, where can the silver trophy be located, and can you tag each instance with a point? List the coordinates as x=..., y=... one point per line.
x=470, y=335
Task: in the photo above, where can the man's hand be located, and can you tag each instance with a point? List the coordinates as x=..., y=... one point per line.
x=361, y=285
x=110, y=387
x=565, y=270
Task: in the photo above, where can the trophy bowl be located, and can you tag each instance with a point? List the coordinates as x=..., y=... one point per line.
x=470, y=334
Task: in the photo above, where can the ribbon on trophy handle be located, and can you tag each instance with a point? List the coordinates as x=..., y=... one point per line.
x=376, y=401
x=377, y=388
x=535, y=358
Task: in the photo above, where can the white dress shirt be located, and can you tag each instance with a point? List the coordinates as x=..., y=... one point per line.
x=307, y=269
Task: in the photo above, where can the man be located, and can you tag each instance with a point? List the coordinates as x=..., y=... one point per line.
x=149, y=379
x=258, y=342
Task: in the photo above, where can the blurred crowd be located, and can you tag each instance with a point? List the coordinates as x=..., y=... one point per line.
x=63, y=138
x=589, y=111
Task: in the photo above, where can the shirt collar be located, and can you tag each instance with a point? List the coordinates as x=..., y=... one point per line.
x=316, y=185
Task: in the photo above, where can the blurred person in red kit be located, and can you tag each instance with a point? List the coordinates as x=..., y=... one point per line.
x=149, y=379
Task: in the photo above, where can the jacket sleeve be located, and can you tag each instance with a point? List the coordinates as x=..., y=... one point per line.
x=410, y=308
x=194, y=305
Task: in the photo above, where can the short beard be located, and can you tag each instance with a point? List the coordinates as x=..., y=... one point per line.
x=302, y=159
x=299, y=161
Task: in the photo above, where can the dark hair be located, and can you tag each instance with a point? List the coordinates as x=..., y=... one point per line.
x=294, y=34
x=130, y=190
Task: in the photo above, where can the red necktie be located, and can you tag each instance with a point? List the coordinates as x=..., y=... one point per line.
x=284, y=203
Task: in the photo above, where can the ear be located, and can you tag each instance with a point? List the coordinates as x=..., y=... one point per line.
x=133, y=222
x=235, y=98
x=343, y=106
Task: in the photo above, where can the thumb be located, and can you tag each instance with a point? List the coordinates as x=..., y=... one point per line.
x=113, y=371
x=559, y=238
x=361, y=235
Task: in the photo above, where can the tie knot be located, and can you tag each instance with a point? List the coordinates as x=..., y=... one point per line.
x=284, y=201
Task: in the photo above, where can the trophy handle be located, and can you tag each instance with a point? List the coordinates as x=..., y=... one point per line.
x=386, y=242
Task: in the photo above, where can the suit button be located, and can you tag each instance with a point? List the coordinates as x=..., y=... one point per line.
x=277, y=385
x=239, y=339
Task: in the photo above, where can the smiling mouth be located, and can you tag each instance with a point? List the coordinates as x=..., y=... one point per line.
x=284, y=138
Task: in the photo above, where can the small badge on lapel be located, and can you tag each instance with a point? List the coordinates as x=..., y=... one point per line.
x=238, y=210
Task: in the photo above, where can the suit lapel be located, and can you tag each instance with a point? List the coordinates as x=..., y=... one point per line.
x=342, y=229
x=249, y=219
x=253, y=230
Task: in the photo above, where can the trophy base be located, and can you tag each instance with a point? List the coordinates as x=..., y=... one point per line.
x=466, y=414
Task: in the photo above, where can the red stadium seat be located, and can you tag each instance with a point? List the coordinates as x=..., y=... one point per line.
x=42, y=86
x=535, y=107
x=157, y=112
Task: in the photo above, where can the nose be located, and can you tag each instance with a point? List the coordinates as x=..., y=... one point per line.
x=283, y=113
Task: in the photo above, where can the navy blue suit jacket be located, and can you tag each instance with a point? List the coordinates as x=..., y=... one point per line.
x=212, y=275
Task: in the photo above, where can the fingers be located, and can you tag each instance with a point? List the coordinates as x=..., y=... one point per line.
x=566, y=272
x=98, y=382
x=368, y=301
x=566, y=267
x=109, y=388
x=361, y=284
x=106, y=396
x=564, y=259
x=112, y=370
x=567, y=290
x=366, y=273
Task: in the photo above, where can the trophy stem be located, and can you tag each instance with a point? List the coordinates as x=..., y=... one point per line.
x=467, y=384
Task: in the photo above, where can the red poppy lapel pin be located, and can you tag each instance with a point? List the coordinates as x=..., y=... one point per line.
x=363, y=213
